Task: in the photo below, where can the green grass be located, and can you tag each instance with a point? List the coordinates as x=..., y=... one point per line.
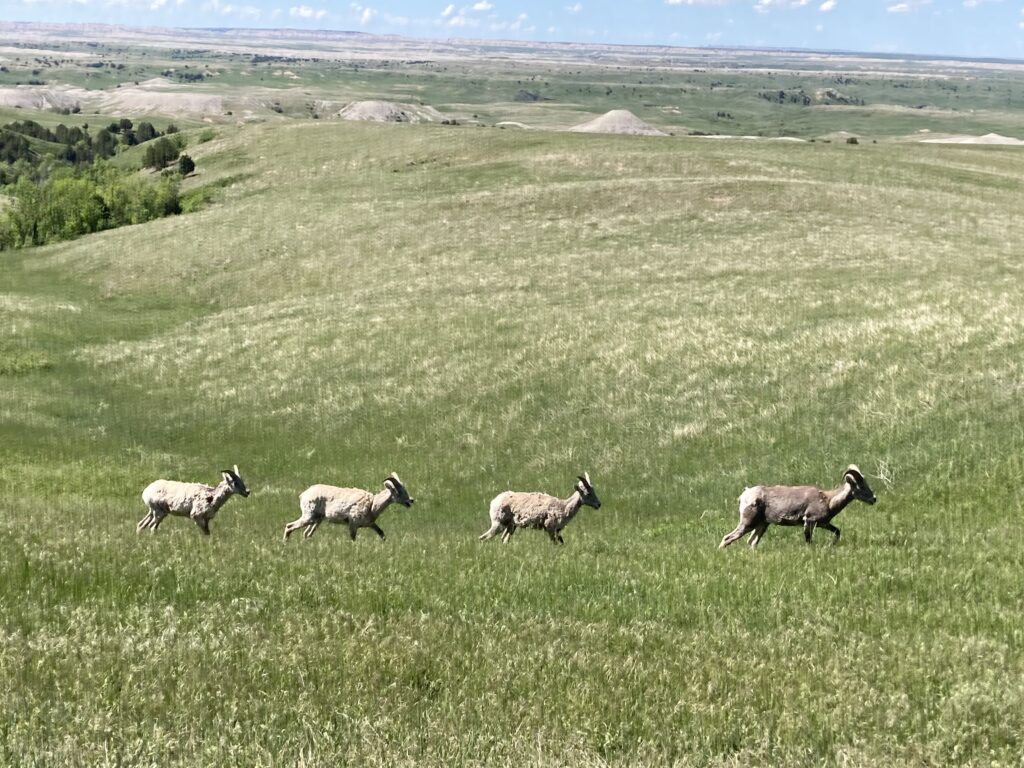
x=482, y=310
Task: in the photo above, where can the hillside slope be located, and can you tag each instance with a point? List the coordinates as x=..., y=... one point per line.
x=482, y=310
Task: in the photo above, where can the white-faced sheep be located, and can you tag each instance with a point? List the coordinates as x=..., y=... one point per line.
x=354, y=507
x=805, y=505
x=195, y=500
x=513, y=509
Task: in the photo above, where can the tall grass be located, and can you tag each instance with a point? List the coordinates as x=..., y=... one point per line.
x=481, y=310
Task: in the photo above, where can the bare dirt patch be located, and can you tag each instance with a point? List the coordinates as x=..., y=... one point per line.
x=389, y=112
x=988, y=138
x=41, y=97
x=150, y=97
x=620, y=121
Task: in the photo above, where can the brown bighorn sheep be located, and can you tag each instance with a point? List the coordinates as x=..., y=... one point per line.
x=195, y=500
x=512, y=509
x=354, y=507
x=805, y=505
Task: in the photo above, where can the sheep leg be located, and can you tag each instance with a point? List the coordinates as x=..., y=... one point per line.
x=739, y=532
x=755, y=537
x=750, y=518
x=155, y=522
x=491, y=532
x=204, y=525
x=311, y=528
x=144, y=522
x=377, y=530
x=352, y=531
x=553, y=535
x=832, y=529
x=808, y=530
x=293, y=526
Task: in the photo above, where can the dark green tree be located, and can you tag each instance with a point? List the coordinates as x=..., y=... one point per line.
x=105, y=144
x=145, y=132
x=160, y=153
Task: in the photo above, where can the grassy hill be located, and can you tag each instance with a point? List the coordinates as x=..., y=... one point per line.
x=480, y=310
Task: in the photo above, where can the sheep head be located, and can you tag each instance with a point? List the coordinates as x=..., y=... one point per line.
x=586, y=491
x=397, y=490
x=861, y=490
x=234, y=481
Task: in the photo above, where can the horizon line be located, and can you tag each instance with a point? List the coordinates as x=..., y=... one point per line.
x=509, y=41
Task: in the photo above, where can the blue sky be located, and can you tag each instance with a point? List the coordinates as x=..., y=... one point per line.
x=977, y=28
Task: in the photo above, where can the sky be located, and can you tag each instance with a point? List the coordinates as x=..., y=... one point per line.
x=971, y=28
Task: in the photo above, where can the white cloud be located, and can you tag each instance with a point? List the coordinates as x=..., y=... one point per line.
x=696, y=2
x=574, y=8
x=448, y=11
x=365, y=14
x=908, y=6
x=482, y=5
x=305, y=12
x=828, y=5
x=242, y=11
x=764, y=6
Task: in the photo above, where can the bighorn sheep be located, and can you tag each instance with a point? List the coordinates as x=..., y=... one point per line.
x=195, y=500
x=352, y=506
x=512, y=509
x=804, y=505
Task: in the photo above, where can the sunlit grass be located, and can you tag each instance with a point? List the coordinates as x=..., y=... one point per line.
x=483, y=310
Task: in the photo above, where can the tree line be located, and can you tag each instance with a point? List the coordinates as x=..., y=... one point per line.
x=76, y=203
x=76, y=146
x=58, y=185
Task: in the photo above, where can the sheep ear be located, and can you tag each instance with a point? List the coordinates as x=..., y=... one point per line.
x=394, y=476
x=585, y=481
x=236, y=471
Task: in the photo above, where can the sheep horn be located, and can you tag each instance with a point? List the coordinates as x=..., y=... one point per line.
x=855, y=472
x=586, y=482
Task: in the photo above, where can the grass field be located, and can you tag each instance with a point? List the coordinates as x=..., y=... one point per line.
x=482, y=310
